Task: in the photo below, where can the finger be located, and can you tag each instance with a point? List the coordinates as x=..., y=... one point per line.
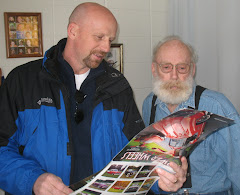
x=168, y=178
x=181, y=171
x=59, y=185
x=53, y=191
x=173, y=181
x=163, y=186
x=184, y=163
x=67, y=190
x=57, y=189
x=167, y=185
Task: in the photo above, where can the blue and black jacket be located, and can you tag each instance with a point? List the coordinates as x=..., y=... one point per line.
x=35, y=123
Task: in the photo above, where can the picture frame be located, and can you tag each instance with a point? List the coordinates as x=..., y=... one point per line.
x=23, y=33
x=115, y=56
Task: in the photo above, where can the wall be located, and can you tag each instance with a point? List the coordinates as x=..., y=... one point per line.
x=142, y=23
x=212, y=27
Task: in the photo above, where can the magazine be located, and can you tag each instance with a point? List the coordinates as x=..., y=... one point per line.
x=132, y=170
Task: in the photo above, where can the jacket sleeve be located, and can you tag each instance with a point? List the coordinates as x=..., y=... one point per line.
x=133, y=122
x=17, y=174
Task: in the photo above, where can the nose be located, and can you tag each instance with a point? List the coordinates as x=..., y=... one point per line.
x=174, y=73
x=105, y=46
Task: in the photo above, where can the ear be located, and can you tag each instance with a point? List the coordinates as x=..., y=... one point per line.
x=72, y=30
x=193, y=70
x=154, y=71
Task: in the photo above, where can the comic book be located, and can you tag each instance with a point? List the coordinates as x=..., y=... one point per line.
x=132, y=170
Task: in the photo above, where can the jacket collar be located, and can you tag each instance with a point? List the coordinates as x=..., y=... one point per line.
x=108, y=80
x=53, y=62
x=50, y=60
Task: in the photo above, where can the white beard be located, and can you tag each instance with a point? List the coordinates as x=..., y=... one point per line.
x=173, y=96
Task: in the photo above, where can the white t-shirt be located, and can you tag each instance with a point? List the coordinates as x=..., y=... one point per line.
x=79, y=78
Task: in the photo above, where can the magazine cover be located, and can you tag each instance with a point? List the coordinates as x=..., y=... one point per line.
x=132, y=170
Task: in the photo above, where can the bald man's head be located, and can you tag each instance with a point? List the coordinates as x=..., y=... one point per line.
x=91, y=30
x=85, y=10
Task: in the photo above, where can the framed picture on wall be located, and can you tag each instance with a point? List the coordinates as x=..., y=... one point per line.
x=23, y=33
x=115, y=56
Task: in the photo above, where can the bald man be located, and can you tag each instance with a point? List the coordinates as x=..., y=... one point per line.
x=67, y=115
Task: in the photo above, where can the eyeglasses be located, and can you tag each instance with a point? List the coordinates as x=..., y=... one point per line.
x=182, y=68
x=79, y=97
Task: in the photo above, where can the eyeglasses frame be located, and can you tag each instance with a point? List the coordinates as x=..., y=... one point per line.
x=176, y=65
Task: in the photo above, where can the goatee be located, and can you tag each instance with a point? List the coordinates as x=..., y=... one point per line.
x=90, y=63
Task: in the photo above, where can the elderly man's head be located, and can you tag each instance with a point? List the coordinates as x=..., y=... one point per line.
x=173, y=68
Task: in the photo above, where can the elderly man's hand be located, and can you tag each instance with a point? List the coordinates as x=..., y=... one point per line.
x=172, y=182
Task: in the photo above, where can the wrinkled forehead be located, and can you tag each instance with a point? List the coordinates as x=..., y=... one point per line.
x=173, y=50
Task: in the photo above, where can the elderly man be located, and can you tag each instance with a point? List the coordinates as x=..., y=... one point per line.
x=215, y=162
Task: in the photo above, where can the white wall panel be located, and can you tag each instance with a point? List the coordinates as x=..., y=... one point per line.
x=137, y=5
x=133, y=23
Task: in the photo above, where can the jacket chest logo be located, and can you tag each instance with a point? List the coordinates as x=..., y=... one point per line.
x=45, y=100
